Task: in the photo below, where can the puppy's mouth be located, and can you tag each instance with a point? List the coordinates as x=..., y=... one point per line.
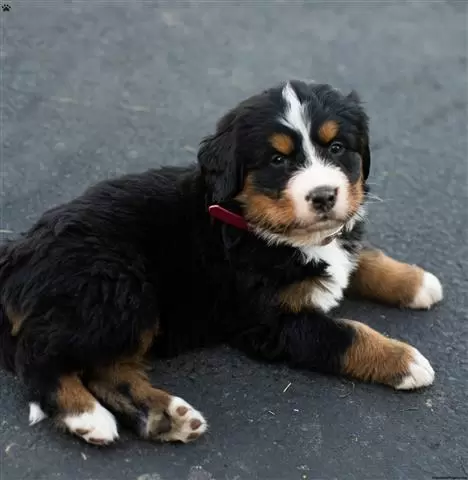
x=325, y=225
x=319, y=233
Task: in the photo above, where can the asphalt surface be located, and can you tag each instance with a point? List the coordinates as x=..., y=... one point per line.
x=93, y=91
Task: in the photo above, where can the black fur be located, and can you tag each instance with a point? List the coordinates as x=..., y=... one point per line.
x=141, y=250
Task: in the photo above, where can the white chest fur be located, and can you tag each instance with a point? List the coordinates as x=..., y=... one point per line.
x=340, y=265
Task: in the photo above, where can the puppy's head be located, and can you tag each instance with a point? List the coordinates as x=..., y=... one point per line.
x=296, y=157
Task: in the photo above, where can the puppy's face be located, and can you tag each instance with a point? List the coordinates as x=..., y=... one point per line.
x=296, y=157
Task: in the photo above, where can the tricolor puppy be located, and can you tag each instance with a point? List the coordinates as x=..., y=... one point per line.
x=253, y=246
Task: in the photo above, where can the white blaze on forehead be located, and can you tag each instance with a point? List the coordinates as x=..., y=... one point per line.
x=295, y=117
x=316, y=172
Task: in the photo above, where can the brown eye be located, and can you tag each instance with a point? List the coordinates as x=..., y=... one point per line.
x=278, y=159
x=336, y=148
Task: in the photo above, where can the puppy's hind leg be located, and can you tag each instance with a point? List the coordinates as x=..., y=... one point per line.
x=47, y=362
x=152, y=413
x=75, y=409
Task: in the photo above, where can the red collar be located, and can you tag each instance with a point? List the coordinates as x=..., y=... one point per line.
x=231, y=218
x=220, y=213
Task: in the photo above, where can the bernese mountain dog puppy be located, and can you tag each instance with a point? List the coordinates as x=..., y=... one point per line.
x=253, y=246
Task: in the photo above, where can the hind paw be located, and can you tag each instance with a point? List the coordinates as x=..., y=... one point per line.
x=186, y=423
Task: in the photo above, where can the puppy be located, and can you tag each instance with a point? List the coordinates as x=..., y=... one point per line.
x=253, y=246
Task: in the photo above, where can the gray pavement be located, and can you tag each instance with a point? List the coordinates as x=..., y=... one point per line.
x=96, y=89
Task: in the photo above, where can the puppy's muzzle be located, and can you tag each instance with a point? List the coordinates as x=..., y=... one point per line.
x=322, y=199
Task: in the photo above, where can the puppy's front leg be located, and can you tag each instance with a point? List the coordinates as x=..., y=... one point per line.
x=314, y=341
x=383, y=279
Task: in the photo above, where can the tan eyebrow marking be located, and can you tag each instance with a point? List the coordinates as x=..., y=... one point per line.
x=282, y=142
x=328, y=131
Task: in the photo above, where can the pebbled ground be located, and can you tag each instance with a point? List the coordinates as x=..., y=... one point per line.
x=98, y=89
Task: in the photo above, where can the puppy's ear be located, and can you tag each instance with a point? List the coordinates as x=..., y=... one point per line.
x=217, y=159
x=364, y=133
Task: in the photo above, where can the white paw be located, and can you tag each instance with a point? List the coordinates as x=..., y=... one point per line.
x=187, y=423
x=429, y=292
x=97, y=426
x=36, y=414
x=420, y=373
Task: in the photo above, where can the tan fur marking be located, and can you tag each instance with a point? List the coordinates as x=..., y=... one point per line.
x=282, y=143
x=129, y=372
x=73, y=397
x=107, y=383
x=146, y=340
x=376, y=358
x=142, y=389
x=264, y=211
x=328, y=131
x=381, y=278
x=16, y=320
x=108, y=394
x=296, y=297
x=132, y=375
x=355, y=196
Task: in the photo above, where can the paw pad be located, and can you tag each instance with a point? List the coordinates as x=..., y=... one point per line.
x=187, y=424
x=194, y=424
x=182, y=411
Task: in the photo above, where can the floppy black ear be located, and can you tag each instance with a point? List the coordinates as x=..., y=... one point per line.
x=217, y=159
x=364, y=132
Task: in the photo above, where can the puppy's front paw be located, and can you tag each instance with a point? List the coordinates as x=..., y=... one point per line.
x=377, y=358
x=429, y=292
x=420, y=373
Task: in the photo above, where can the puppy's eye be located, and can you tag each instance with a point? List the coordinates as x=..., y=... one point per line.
x=336, y=148
x=278, y=159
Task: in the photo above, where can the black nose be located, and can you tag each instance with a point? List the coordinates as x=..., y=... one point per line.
x=323, y=199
